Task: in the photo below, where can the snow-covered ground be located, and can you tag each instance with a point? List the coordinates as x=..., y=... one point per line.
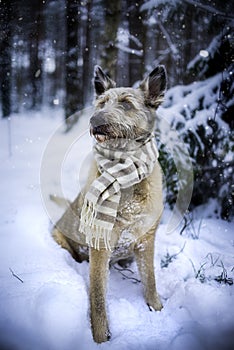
x=44, y=292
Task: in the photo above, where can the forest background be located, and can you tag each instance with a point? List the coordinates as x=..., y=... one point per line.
x=48, y=50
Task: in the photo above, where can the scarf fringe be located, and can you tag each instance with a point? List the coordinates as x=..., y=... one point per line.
x=93, y=231
x=95, y=234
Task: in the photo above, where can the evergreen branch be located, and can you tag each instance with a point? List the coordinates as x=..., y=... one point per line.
x=223, y=165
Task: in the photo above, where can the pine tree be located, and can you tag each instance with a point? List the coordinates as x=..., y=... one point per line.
x=204, y=120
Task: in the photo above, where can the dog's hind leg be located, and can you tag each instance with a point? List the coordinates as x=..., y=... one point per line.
x=99, y=269
x=63, y=242
x=144, y=253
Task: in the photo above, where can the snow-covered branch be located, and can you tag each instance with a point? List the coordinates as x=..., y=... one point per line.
x=210, y=9
x=129, y=50
x=171, y=45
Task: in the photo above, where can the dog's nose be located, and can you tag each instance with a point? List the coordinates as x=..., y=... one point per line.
x=97, y=120
x=98, y=127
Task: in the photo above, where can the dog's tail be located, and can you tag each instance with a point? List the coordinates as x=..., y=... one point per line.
x=60, y=201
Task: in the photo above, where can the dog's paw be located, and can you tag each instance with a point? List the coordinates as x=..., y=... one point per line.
x=100, y=335
x=156, y=306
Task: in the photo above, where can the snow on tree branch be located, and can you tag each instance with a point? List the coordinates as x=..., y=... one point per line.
x=210, y=9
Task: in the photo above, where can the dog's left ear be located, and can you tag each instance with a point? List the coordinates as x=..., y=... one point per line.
x=101, y=81
x=154, y=86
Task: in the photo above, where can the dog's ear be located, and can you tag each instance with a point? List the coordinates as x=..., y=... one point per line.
x=154, y=86
x=101, y=81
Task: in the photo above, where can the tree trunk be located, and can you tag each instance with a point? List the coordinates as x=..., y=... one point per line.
x=5, y=56
x=122, y=78
x=110, y=54
x=87, y=55
x=35, y=57
x=137, y=39
x=74, y=96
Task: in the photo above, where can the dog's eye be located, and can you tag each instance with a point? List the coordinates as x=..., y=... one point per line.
x=127, y=105
x=101, y=104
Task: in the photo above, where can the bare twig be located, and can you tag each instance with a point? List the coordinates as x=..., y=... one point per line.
x=223, y=277
x=121, y=271
x=180, y=251
x=189, y=226
x=200, y=275
x=13, y=274
x=187, y=222
x=194, y=269
x=213, y=263
x=169, y=258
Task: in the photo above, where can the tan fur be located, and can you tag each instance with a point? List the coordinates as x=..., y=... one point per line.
x=138, y=216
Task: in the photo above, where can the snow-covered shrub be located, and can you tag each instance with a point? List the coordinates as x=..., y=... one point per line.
x=202, y=115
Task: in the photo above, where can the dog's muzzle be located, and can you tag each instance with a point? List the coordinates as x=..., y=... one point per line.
x=99, y=128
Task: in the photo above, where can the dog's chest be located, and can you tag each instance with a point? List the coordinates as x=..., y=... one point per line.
x=132, y=216
x=133, y=202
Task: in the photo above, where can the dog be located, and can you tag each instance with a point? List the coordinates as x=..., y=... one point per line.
x=122, y=124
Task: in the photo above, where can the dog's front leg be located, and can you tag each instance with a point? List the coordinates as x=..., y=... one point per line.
x=99, y=269
x=144, y=252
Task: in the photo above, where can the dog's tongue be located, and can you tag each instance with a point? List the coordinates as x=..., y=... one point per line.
x=100, y=137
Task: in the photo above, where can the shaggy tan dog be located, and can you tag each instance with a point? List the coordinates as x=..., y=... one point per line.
x=123, y=125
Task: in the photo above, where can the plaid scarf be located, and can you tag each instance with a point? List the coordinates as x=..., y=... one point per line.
x=119, y=170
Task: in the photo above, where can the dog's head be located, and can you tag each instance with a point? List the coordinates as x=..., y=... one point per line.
x=126, y=113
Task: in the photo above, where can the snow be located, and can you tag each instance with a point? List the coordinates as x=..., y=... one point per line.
x=49, y=309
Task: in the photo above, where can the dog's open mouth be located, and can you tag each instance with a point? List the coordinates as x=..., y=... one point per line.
x=100, y=137
x=99, y=132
